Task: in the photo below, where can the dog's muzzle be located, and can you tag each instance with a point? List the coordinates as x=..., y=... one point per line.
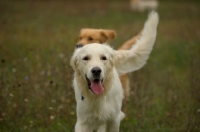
x=95, y=84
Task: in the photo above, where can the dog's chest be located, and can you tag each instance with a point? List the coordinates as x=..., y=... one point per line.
x=96, y=111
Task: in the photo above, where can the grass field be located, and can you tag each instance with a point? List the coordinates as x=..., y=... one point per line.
x=37, y=39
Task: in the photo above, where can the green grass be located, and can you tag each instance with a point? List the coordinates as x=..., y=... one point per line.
x=37, y=39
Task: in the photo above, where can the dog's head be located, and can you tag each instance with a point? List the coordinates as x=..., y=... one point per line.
x=93, y=66
x=89, y=35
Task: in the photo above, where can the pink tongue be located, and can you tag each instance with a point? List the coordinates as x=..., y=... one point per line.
x=97, y=87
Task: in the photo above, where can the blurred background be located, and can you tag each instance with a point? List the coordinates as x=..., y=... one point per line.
x=37, y=39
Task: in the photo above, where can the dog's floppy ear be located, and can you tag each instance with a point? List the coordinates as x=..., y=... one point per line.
x=74, y=59
x=108, y=34
x=111, y=54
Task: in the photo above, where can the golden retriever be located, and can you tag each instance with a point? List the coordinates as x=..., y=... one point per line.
x=90, y=35
x=98, y=91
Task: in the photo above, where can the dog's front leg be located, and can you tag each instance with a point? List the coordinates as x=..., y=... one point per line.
x=79, y=127
x=113, y=126
x=102, y=128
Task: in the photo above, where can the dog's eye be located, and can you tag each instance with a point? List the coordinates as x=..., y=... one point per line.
x=90, y=38
x=103, y=58
x=80, y=38
x=86, y=58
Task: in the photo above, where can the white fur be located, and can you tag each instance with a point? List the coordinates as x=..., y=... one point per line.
x=103, y=112
x=96, y=112
x=135, y=58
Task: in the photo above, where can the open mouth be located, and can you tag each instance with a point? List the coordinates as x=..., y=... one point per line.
x=95, y=86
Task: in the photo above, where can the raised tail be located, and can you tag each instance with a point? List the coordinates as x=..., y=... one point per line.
x=135, y=58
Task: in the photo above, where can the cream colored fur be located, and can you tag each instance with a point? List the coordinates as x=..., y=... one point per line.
x=135, y=58
x=97, y=110
x=103, y=112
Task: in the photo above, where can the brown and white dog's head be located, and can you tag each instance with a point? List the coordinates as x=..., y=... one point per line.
x=93, y=66
x=89, y=35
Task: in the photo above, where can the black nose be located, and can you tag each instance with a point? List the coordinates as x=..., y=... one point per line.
x=79, y=45
x=96, y=71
